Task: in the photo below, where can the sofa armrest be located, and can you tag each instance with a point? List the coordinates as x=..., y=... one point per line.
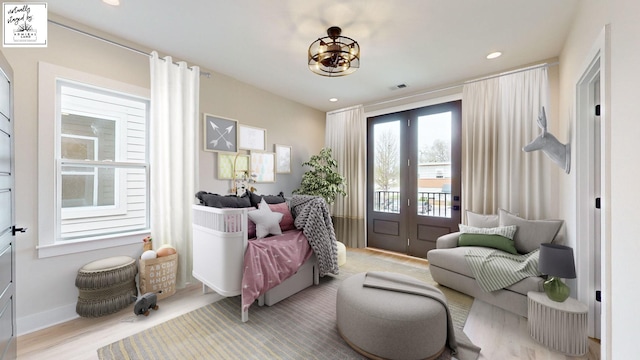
x=448, y=241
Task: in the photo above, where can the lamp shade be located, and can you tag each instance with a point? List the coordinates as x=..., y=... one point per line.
x=557, y=260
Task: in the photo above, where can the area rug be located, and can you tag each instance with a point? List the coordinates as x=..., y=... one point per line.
x=300, y=327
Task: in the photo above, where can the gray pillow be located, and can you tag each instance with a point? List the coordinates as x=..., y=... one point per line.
x=530, y=233
x=220, y=201
x=270, y=199
x=481, y=220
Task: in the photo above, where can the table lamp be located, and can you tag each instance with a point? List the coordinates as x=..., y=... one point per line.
x=557, y=262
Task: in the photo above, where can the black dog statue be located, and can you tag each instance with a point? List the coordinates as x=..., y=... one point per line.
x=146, y=302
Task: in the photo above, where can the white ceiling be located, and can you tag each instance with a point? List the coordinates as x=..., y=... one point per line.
x=425, y=44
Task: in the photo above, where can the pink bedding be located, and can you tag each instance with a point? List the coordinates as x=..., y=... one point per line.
x=271, y=260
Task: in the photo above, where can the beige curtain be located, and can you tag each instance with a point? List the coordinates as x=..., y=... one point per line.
x=498, y=118
x=346, y=135
x=174, y=123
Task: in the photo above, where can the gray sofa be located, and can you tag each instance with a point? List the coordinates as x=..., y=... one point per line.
x=449, y=267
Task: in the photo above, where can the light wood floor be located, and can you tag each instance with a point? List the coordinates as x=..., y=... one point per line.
x=500, y=334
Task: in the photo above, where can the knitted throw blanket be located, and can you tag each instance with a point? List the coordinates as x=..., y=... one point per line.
x=311, y=214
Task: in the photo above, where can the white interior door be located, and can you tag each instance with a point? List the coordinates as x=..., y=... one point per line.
x=589, y=185
x=7, y=247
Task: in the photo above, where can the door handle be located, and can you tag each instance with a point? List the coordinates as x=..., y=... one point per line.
x=15, y=230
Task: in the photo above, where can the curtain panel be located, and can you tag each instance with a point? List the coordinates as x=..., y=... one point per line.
x=499, y=117
x=346, y=135
x=173, y=128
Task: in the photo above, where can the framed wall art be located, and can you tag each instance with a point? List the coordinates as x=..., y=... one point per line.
x=263, y=166
x=230, y=162
x=283, y=159
x=220, y=134
x=252, y=138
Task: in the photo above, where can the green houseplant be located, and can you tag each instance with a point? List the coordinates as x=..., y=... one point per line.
x=322, y=180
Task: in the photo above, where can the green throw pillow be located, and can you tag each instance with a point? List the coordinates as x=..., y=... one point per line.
x=487, y=240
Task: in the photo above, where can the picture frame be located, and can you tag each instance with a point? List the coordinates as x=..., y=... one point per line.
x=230, y=162
x=220, y=133
x=283, y=159
x=263, y=166
x=252, y=138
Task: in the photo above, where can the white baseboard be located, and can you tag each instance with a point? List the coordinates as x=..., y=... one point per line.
x=38, y=321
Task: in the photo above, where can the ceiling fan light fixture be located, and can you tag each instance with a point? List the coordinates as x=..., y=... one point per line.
x=334, y=55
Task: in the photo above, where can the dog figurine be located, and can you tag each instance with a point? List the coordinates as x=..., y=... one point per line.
x=146, y=302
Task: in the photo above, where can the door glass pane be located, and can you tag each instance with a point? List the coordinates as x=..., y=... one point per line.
x=434, y=165
x=386, y=171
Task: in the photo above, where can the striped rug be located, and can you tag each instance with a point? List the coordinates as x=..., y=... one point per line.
x=300, y=327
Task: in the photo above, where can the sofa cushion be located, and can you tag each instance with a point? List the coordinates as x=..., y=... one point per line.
x=530, y=233
x=452, y=260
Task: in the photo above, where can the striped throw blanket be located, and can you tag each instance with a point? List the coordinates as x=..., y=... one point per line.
x=496, y=269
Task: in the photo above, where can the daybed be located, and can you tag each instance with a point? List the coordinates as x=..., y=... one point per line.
x=233, y=254
x=449, y=266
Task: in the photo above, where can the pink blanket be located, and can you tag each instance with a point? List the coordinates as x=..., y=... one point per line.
x=271, y=260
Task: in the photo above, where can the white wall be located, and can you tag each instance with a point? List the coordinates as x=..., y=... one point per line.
x=625, y=172
x=620, y=301
x=46, y=293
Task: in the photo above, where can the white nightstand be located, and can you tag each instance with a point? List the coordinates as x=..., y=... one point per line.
x=561, y=326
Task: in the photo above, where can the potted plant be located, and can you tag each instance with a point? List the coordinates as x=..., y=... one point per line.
x=322, y=180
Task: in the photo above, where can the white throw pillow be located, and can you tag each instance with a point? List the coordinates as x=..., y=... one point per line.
x=267, y=221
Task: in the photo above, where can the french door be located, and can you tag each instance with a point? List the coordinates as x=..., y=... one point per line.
x=413, y=172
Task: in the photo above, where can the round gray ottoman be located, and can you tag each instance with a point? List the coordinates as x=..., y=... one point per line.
x=380, y=323
x=106, y=286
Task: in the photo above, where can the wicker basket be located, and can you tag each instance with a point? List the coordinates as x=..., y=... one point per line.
x=159, y=274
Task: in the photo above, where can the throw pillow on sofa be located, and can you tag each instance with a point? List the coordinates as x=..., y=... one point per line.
x=482, y=220
x=530, y=233
x=500, y=238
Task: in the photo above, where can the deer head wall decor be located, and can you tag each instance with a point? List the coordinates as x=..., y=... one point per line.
x=554, y=149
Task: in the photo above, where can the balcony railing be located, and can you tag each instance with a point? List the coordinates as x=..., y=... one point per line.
x=429, y=203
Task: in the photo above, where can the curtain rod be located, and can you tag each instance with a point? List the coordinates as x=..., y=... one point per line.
x=94, y=36
x=455, y=86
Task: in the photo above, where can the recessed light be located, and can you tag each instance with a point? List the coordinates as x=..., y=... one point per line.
x=112, y=2
x=333, y=99
x=494, y=55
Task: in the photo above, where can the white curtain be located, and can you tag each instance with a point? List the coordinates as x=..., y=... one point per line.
x=346, y=135
x=173, y=129
x=499, y=117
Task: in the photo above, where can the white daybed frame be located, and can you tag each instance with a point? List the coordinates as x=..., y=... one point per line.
x=219, y=243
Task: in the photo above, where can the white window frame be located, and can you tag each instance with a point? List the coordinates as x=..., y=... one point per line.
x=48, y=177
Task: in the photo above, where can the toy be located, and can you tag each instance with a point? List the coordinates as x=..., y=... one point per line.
x=165, y=250
x=146, y=302
x=148, y=255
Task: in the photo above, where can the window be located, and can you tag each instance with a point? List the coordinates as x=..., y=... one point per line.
x=96, y=150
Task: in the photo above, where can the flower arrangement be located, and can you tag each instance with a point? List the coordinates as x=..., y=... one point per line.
x=146, y=243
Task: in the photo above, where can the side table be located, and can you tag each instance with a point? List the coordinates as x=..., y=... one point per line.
x=561, y=326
